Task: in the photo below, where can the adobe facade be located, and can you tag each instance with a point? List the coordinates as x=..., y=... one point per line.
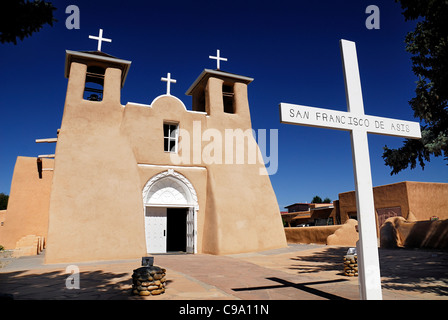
x=29, y=201
x=414, y=201
x=417, y=211
x=137, y=179
x=408, y=214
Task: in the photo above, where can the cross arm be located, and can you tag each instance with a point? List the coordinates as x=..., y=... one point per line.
x=348, y=121
x=48, y=140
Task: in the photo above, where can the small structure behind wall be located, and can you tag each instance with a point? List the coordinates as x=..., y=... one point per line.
x=310, y=214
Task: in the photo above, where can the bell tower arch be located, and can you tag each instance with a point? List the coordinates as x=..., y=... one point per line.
x=89, y=76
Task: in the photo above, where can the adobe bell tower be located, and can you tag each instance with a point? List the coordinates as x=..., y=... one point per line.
x=242, y=213
x=90, y=68
x=89, y=219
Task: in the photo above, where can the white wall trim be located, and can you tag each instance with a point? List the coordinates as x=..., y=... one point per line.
x=143, y=165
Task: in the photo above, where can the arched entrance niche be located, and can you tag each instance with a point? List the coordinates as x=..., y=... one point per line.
x=171, y=206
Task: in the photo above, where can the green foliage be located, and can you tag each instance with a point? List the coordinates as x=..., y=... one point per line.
x=20, y=18
x=3, y=201
x=326, y=200
x=318, y=199
x=428, y=44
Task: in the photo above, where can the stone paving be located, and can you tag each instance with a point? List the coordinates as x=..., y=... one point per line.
x=298, y=272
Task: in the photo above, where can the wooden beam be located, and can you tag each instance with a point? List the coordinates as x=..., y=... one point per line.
x=48, y=140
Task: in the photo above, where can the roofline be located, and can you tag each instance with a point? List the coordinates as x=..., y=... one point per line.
x=244, y=79
x=296, y=203
x=322, y=208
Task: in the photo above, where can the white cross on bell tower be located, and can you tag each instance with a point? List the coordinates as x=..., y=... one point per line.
x=168, y=81
x=100, y=39
x=218, y=59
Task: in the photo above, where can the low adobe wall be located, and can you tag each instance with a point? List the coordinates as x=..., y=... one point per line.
x=397, y=232
x=310, y=234
x=344, y=234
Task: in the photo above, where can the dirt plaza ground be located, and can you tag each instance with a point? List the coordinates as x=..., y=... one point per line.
x=298, y=272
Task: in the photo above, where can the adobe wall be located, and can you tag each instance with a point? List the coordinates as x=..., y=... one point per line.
x=345, y=234
x=101, y=155
x=241, y=197
x=392, y=195
x=387, y=196
x=417, y=200
x=28, y=204
x=398, y=232
x=347, y=204
x=96, y=208
x=241, y=212
x=2, y=217
x=315, y=234
x=428, y=199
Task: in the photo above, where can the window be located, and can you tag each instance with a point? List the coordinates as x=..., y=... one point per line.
x=170, y=137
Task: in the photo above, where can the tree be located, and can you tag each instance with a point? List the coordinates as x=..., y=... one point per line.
x=3, y=201
x=316, y=199
x=20, y=18
x=326, y=200
x=428, y=44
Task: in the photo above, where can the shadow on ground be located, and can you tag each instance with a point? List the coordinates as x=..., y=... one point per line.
x=329, y=259
x=421, y=270
x=52, y=285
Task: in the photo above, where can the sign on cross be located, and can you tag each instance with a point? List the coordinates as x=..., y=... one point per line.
x=168, y=81
x=100, y=39
x=359, y=124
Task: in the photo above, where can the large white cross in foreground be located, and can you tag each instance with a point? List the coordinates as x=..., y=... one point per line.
x=359, y=125
x=100, y=39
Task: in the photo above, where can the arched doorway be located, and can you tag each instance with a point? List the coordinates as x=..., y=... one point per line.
x=171, y=206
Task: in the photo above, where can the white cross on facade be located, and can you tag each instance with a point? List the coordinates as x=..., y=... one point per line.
x=168, y=81
x=359, y=125
x=100, y=39
x=218, y=59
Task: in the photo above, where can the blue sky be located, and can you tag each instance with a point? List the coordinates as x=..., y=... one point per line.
x=290, y=48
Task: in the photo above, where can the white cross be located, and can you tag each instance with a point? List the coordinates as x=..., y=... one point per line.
x=217, y=58
x=359, y=125
x=100, y=39
x=168, y=81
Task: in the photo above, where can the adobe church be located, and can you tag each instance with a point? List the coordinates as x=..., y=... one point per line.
x=112, y=190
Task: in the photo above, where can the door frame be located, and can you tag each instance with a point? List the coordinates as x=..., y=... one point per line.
x=175, y=180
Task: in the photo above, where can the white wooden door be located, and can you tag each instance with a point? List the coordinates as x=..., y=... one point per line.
x=190, y=230
x=155, y=228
